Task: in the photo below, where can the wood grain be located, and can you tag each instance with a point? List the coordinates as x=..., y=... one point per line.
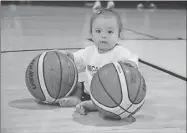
x=163, y=112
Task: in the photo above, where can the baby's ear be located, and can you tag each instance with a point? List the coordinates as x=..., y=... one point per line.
x=121, y=35
x=90, y=32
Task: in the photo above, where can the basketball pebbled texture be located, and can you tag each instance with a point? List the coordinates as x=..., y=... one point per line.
x=106, y=89
x=56, y=70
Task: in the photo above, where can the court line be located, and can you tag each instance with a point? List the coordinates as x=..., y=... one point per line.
x=163, y=70
x=30, y=50
x=153, y=37
x=140, y=60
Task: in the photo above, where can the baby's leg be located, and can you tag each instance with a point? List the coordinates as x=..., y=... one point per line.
x=70, y=101
x=73, y=99
x=86, y=106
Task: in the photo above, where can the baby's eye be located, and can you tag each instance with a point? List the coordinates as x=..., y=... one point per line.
x=110, y=32
x=98, y=31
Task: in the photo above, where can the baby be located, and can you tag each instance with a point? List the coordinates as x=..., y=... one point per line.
x=105, y=28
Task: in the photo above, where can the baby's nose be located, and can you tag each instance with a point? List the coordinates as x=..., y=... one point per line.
x=104, y=35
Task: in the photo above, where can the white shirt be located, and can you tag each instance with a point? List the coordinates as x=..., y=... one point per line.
x=90, y=60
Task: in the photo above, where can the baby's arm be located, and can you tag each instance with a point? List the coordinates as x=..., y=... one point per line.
x=77, y=58
x=74, y=99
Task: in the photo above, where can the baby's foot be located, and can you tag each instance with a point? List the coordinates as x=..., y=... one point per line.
x=81, y=109
x=69, y=102
x=64, y=102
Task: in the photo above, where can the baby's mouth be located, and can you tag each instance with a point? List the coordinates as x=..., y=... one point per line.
x=103, y=42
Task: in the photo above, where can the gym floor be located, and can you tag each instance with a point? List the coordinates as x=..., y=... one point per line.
x=35, y=29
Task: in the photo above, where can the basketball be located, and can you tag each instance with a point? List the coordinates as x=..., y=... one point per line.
x=118, y=90
x=50, y=76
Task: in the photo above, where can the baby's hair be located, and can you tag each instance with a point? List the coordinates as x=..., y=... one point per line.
x=107, y=12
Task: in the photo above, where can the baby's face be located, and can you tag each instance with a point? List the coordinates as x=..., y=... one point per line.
x=105, y=32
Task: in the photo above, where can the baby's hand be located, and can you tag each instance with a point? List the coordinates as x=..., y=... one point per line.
x=130, y=63
x=69, y=54
x=70, y=101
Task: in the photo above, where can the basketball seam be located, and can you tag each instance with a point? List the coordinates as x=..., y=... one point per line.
x=128, y=96
x=138, y=90
x=141, y=82
x=132, y=103
x=127, y=91
x=137, y=109
x=133, y=111
x=109, y=112
x=38, y=76
x=107, y=92
x=75, y=76
x=44, y=76
x=145, y=86
x=135, y=97
x=124, y=73
x=110, y=95
x=27, y=84
x=125, y=110
x=60, y=77
x=119, y=83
